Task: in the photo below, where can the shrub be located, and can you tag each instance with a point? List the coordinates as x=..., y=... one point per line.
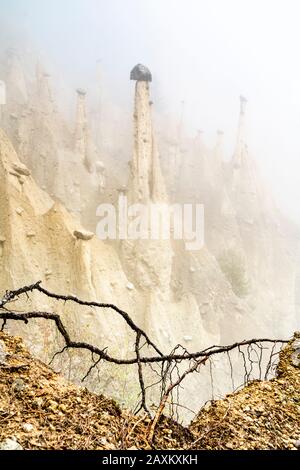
x=234, y=267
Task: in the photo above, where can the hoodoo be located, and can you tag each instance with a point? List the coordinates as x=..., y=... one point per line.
x=244, y=182
x=83, y=144
x=146, y=179
x=81, y=123
x=148, y=261
x=241, y=149
x=45, y=100
x=16, y=84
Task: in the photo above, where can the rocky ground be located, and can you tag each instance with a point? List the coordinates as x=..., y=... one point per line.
x=263, y=415
x=41, y=410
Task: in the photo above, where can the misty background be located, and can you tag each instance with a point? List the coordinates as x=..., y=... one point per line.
x=205, y=53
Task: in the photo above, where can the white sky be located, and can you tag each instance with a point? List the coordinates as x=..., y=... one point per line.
x=205, y=52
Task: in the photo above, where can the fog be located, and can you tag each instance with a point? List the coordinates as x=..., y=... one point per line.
x=205, y=53
x=109, y=191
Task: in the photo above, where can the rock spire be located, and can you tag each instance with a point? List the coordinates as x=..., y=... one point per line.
x=83, y=143
x=147, y=183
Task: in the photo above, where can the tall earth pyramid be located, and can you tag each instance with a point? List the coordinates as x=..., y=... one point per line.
x=148, y=261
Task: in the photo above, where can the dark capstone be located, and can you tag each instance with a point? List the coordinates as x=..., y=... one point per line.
x=81, y=92
x=141, y=73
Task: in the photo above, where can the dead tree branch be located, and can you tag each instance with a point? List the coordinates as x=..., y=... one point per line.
x=168, y=363
x=169, y=390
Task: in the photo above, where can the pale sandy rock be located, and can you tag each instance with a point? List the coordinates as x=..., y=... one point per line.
x=82, y=138
x=3, y=353
x=83, y=234
x=146, y=181
x=21, y=179
x=147, y=261
x=30, y=234
x=27, y=427
x=10, y=444
x=88, y=270
x=21, y=169
x=187, y=338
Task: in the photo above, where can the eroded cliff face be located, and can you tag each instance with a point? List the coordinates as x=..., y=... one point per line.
x=38, y=243
x=51, y=183
x=42, y=240
x=62, y=157
x=245, y=232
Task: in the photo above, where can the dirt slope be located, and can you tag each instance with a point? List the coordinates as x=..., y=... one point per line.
x=41, y=410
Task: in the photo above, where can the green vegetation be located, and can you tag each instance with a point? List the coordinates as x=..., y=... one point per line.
x=234, y=267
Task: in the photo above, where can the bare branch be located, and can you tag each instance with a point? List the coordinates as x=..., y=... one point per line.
x=169, y=375
x=166, y=395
